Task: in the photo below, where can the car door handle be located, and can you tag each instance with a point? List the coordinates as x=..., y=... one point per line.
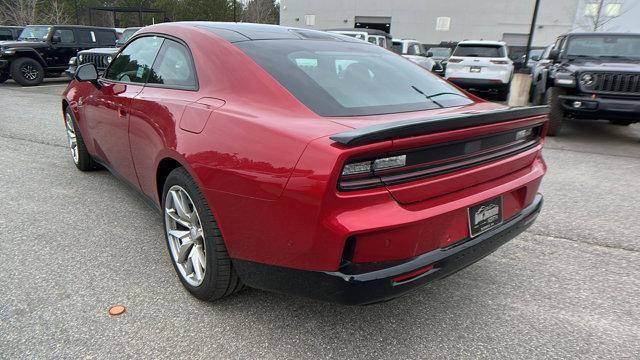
x=122, y=112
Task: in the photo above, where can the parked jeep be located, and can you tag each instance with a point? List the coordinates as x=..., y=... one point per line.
x=100, y=57
x=10, y=32
x=44, y=50
x=592, y=76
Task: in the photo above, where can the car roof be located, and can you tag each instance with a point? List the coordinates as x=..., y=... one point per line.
x=364, y=30
x=601, y=33
x=403, y=40
x=76, y=26
x=482, y=42
x=236, y=32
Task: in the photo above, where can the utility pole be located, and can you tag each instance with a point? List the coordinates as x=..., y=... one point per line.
x=531, y=31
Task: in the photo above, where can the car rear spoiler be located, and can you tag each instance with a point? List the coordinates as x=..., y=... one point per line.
x=406, y=128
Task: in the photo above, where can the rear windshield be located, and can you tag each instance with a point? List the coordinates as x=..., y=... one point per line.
x=350, y=79
x=473, y=50
x=440, y=52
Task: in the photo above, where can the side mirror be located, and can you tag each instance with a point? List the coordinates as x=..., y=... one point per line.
x=119, y=43
x=429, y=54
x=554, y=55
x=55, y=39
x=535, y=57
x=87, y=72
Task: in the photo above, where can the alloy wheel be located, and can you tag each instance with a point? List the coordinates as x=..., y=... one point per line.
x=185, y=235
x=71, y=137
x=29, y=72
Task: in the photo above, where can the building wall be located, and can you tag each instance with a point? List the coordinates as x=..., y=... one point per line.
x=470, y=19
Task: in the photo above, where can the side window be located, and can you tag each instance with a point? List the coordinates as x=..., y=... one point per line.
x=106, y=38
x=134, y=62
x=173, y=67
x=413, y=49
x=86, y=36
x=66, y=36
x=6, y=35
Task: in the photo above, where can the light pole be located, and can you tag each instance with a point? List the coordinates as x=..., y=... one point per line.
x=531, y=31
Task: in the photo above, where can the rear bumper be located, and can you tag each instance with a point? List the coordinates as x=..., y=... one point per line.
x=366, y=283
x=598, y=108
x=477, y=83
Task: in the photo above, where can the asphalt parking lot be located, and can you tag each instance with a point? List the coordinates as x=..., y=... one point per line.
x=76, y=243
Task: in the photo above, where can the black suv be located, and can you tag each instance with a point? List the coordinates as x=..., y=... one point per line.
x=100, y=57
x=10, y=32
x=45, y=50
x=592, y=76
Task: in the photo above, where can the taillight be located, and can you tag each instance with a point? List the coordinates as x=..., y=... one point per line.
x=413, y=164
x=454, y=60
x=499, y=62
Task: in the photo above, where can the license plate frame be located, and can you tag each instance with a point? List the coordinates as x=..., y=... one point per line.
x=485, y=216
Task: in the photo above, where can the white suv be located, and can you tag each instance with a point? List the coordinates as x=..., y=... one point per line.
x=481, y=65
x=414, y=51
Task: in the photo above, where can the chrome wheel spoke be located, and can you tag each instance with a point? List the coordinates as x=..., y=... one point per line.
x=198, y=266
x=179, y=204
x=174, y=216
x=184, y=250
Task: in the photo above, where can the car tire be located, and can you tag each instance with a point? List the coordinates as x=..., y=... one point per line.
x=621, y=122
x=556, y=112
x=27, y=71
x=79, y=154
x=194, y=230
x=4, y=77
x=537, y=97
x=503, y=92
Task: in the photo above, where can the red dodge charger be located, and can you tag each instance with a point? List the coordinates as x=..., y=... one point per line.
x=305, y=162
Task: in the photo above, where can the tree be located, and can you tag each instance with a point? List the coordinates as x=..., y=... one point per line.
x=594, y=15
x=25, y=12
x=262, y=11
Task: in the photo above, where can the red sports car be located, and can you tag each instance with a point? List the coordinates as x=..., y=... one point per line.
x=305, y=162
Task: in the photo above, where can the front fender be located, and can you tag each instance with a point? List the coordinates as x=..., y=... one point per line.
x=30, y=53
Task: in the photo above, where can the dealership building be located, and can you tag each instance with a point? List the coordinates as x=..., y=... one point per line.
x=436, y=21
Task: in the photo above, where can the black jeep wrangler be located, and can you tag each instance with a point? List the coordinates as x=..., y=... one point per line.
x=44, y=50
x=592, y=76
x=100, y=57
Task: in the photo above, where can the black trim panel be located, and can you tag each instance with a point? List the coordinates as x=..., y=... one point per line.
x=406, y=128
x=359, y=284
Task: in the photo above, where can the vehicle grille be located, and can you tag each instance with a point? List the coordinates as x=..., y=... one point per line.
x=623, y=83
x=99, y=60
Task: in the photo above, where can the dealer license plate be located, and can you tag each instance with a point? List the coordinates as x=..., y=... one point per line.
x=485, y=216
x=475, y=69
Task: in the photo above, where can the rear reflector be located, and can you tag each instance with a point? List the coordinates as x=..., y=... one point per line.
x=412, y=275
